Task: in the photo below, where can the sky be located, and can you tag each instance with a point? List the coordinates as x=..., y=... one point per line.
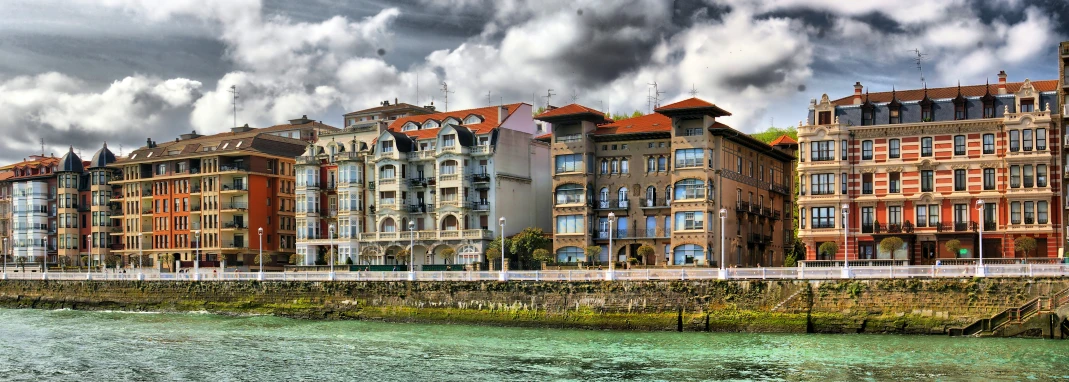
x=76, y=73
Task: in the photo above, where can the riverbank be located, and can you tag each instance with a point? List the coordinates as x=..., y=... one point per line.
x=920, y=306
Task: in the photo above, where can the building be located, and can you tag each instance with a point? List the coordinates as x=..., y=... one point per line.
x=913, y=164
x=210, y=195
x=449, y=175
x=5, y=214
x=665, y=177
x=33, y=199
x=385, y=112
x=1063, y=91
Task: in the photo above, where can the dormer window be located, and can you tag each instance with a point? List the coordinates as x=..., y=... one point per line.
x=894, y=108
x=868, y=114
x=1027, y=105
x=449, y=140
x=409, y=127
x=989, y=104
x=960, y=107
x=472, y=119
x=387, y=146
x=824, y=118
x=430, y=124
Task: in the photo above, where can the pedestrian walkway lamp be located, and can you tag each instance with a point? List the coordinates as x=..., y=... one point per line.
x=412, y=251
x=196, y=259
x=609, y=276
x=980, y=270
x=261, y=232
x=723, y=273
x=89, y=266
x=5, y=258
x=846, y=234
x=330, y=250
x=502, y=222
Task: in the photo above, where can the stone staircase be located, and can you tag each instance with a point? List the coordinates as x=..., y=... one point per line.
x=1038, y=315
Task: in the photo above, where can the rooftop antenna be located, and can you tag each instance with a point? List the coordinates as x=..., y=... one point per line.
x=918, y=60
x=445, y=90
x=42, y=140
x=575, y=95
x=693, y=91
x=549, y=95
x=488, y=98
x=234, y=91
x=120, y=149
x=653, y=100
x=417, y=88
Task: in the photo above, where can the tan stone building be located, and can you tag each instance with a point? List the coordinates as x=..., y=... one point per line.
x=665, y=177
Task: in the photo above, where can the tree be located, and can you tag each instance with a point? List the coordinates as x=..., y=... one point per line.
x=953, y=246
x=829, y=248
x=168, y=259
x=348, y=260
x=1024, y=244
x=401, y=257
x=493, y=253
x=295, y=259
x=646, y=252
x=85, y=260
x=21, y=263
x=790, y=260
x=522, y=245
x=891, y=244
x=542, y=255
x=773, y=132
x=593, y=253
x=448, y=253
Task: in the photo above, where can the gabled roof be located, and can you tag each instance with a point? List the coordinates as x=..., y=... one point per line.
x=574, y=111
x=948, y=92
x=693, y=105
x=783, y=140
x=389, y=108
x=489, y=120
x=649, y=123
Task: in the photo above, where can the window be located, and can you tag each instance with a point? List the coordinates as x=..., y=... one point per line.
x=989, y=109
x=1015, y=140
x=1029, y=212
x=692, y=132
x=570, y=224
x=926, y=111
x=690, y=220
x=1015, y=176
x=894, y=183
x=989, y=143
x=922, y=215
x=866, y=184
x=1027, y=175
x=866, y=219
x=927, y=180
x=893, y=116
x=933, y=215
x=1026, y=139
x=662, y=164
x=894, y=215
x=689, y=189
x=690, y=158
x=569, y=194
x=1015, y=213
x=868, y=114
x=686, y=254
x=842, y=148
x=989, y=179
x=387, y=146
x=822, y=150
x=824, y=118
x=1042, y=208
x=926, y=146
x=1041, y=139
x=959, y=180
x=894, y=148
x=842, y=180
x=959, y=109
x=822, y=184
x=961, y=216
x=801, y=219
x=1041, y=175
x=387, y=172
x=615, y=166
x=959, y=145
x=569, y=163
x=651, y=164
x=624, y=166
x=866, y=150
x=823, y=217
x=1027, y=105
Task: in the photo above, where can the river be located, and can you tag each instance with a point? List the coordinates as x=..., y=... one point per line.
x=106, y=346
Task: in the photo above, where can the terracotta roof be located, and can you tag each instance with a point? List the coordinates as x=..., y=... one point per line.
x=5, y=175
x=691, y=103
x=571, y=109
x=947, y=92
x=783, y=140
x=649, y=123
x=488, y=114
x=251, y=140
x=544, y=137
x=396, y=106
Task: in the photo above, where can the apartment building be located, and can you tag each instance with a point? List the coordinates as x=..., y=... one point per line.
x=33, y=199
x=210, y=195
x=448, y=175
x=929, y=166
x=1063, y=91
x=5, y=214
x=665, y=178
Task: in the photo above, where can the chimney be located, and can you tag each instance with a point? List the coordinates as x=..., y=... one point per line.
x=1002, y=82
x=148, y=142
x=857, y=93
x=502, y=112
x=394, y=100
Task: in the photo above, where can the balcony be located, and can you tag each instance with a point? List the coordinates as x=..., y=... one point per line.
x=741, y=206
x=481, y=150
x=347, y=156
x=652, y=233
x=652, y=203
x=618, y=204
x=480, y=177
x=481, y=205
x=235, y=225
x=878, y=228
x=307, y=160
x=754, y=238
x=233, y=167
x=421, y=155
x=235, y=205
x=236, y=187
x=417, y=182
x=779, y=188
x=990, y=226
x=616, y=234
x=776, y=215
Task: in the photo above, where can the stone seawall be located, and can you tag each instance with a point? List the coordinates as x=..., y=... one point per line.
x=830, y=306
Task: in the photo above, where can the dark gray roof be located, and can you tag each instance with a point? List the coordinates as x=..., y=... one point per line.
x=102, y=158
x=71, y=162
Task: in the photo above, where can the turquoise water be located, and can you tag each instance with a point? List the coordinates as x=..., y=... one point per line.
x=102, y=346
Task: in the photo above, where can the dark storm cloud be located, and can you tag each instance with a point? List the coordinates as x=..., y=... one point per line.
x=603, y=52
x=988, y=12
x=761, y=76
x=686, y=12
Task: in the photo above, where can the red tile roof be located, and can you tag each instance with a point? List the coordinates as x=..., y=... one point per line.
x=947, y=92
x=783, y=140
x=649, y=123
x=489, y=115
x=571, y=109
x=544, y=137
x=691, y=103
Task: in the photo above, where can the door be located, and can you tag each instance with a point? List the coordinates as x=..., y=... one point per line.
x=928, y=253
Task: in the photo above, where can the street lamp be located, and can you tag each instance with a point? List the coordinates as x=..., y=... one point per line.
x=723, y=274
x=330, y=235
x=980, y=270
x=502, y=222
x=846, y=234
x=196, y=259
x=89, y=246
x=5, y=258
x=261, y=232
x=612, y=220
x=411, y=251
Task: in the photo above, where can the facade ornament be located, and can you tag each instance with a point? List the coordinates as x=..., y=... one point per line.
x=1005, y=109
x=961, y=166
x=837, y=120
x=1048, y=107
x=894, y=169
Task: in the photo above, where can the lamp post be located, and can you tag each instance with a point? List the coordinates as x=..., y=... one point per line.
x=503, y=276
x=411, y=251
x=140, y=262
x=609, y=276
x=723, y=273
x=5, y=258
x=330, y=250
x=981, y=271
x=260, y=231
x=846, y=239
x=89, y=247
x=196, y=258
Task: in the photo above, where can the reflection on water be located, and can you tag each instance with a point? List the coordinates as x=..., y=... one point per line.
x=72, y=345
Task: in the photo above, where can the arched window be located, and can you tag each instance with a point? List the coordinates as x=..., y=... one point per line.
x=450, y=121
x=690, y=189
x=651, y=164
x=667, y=194
x=603, y=197
x=387, y=172
x=604, y=166
x=651, y=196
x=569, y=194
x=686, y=254
x=621, y=197
x=450, y=223
x=430, y=124
x=388, y=225
x=472, y=119
x=570, y=255
x=409, y=127
x=615, y=166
